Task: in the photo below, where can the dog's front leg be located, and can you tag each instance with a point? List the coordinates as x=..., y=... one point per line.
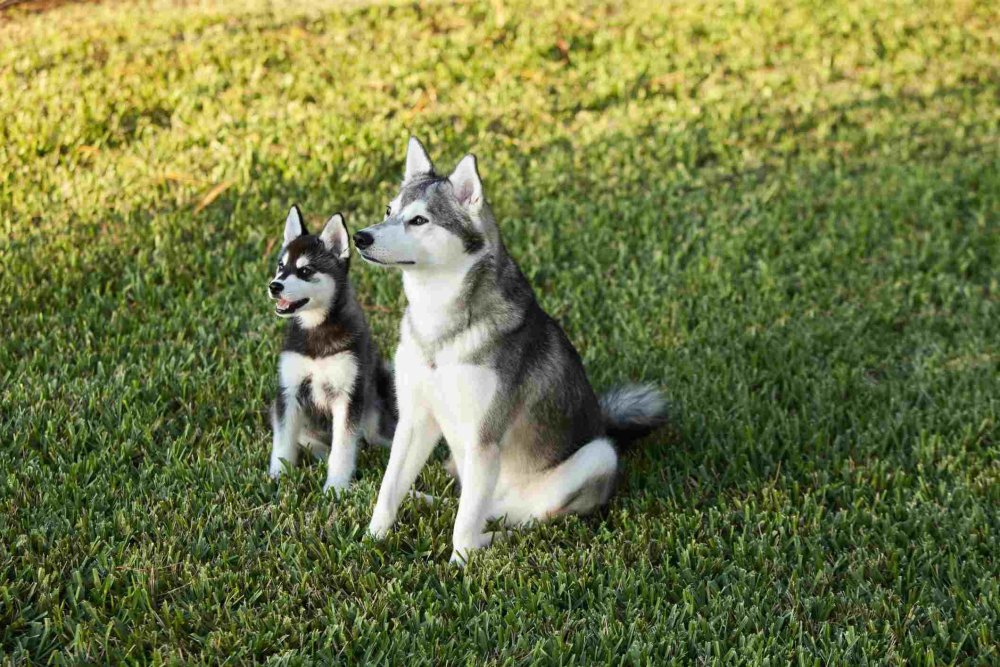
x=480, y=469
x=412, y=444
x=286, y=421
x=343, y=448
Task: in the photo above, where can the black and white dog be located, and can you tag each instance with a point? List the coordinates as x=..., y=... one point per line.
x=333, y=386
x=481, y=363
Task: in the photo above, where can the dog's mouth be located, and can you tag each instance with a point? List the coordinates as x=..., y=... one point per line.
x=287, y=307
x=383, y=263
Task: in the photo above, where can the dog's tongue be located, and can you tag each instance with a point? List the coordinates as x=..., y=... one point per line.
x=284, y=303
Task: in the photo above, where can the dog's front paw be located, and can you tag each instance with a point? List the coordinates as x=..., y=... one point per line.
x=380, y=525
x=274, y=470
x=337, y=485
x=464, y=548
x=338, y=481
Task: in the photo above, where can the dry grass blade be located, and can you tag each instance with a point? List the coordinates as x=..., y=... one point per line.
x=212, y=195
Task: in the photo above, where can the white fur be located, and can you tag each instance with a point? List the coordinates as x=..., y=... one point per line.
x=393, y=206
x=335, y=237
x=343, y=448
x=417, y=161
x=301, y=261
x=427, y=289
x=293, y=225
x=329, y=375
x=332, y=379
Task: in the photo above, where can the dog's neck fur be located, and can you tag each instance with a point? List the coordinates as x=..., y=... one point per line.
x=437, y=297
x=445, y=302
x=322, y=330
x=310, y=319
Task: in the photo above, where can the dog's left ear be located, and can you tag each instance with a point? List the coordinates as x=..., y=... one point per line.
x=335, y=236
x=294, y=227
x=417, y=160
x=466, y=182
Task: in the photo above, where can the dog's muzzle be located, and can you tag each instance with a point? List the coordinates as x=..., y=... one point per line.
x=283, y=306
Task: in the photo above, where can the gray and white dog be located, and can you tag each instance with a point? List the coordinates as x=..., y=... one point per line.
x=333, y=386
x=482, y=364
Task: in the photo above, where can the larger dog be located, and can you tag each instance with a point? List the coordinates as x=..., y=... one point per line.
x=481, y=363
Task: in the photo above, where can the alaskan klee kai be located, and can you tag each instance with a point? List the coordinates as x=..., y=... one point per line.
x=482, y=364
x=333, y=386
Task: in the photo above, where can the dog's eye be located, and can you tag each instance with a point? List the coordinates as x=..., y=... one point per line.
x=281, y=266
x=388, y=211
x=418, y=220
x=305, y=272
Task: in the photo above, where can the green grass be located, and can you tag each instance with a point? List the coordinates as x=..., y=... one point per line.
x=787, y=214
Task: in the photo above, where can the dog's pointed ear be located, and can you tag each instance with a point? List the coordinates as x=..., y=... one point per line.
x=417, y=161
x=294, y=227
x=466, y=182
x=335, y=236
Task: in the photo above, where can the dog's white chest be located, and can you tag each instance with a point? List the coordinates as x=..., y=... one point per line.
x=462, y=395
x=328, y=377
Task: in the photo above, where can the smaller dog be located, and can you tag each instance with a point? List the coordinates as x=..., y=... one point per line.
x=333, y=385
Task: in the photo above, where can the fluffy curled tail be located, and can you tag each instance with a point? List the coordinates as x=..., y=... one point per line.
x=633, y=411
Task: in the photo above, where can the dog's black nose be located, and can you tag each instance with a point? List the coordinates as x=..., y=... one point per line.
x=363, y=239
x=275, y=287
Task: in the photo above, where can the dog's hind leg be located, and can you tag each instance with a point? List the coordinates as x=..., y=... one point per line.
x=314, y=443
x=377, y=432
x=580, y=484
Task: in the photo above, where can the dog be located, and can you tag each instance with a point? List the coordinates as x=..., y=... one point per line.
x=333, y=387
x=482, y=364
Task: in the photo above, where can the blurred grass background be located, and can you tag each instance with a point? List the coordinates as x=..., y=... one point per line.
x=786, y=213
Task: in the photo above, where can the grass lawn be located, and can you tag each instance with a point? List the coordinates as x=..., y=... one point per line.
x=787, y=214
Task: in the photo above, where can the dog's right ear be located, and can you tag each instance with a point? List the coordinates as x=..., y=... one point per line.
x=417, y=161
x=294, y=227
x=336, y=237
